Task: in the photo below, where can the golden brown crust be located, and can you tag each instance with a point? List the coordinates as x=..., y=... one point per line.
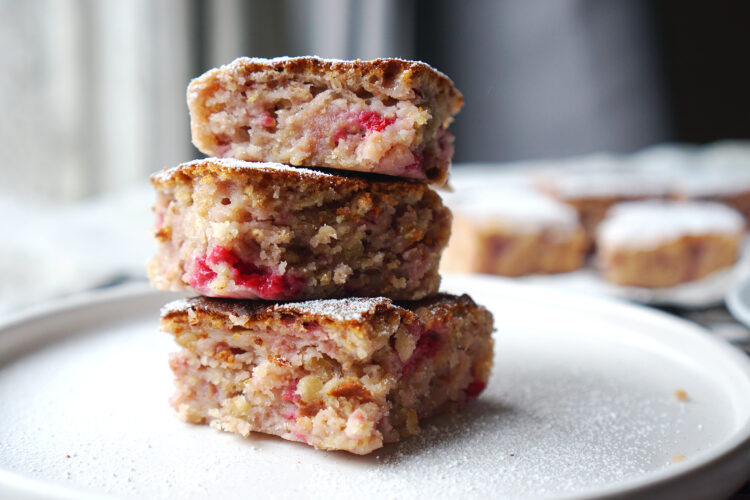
x=412, y=74
x=442, y=304
x=355, y=311
x=274, y=174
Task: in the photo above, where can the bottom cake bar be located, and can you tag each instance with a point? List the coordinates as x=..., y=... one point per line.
x=341, y=374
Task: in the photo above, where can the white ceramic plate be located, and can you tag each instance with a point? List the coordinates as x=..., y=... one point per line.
x=582, y=403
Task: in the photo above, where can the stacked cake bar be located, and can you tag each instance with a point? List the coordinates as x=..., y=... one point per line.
x=313, y=240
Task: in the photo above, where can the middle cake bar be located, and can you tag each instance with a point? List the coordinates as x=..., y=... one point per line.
x=229, y=228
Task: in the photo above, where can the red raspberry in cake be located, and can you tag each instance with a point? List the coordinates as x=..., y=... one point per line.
x=228, y=228
x=339, y=374
x=386, y=116
x=266, y=283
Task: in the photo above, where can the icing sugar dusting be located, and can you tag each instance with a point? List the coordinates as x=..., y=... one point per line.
x=519, y=208
x=175, y=306
x=637, y=224
x=239, y=165
x=348, y=309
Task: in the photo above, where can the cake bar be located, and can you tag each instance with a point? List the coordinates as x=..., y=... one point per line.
x=387, y=116
x=659, y=244
x=229, y=228
x=597, y=184
x=512, y=232
x=339, y=374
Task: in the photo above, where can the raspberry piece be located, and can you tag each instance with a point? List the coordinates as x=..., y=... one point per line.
x=268, y=285
x=273, y=285
x=427, y=348
x=202, y=274
x=266, y=120
x=290, y=394
x=416, y=164
x=265, y=283
x=372, y=121
x=475, y=388
x=341, y=133
x=369, y=121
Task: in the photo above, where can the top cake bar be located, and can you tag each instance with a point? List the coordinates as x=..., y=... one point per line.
x=387, y=116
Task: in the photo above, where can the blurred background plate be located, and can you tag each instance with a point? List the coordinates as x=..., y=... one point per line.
x=707, y=292
x=738, y=302
x=588, y=398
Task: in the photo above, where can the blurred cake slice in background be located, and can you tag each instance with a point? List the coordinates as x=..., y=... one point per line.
x=512, y=231
x=591, y=185
x=660, y=244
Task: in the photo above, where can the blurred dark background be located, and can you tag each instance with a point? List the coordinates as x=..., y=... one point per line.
x=702, y=52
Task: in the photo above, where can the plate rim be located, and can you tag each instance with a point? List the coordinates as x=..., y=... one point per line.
x=735, y=447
